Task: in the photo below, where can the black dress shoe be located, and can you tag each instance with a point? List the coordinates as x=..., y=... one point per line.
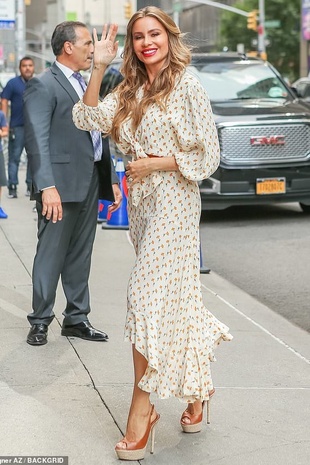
x=84, y=330
x=37, y=335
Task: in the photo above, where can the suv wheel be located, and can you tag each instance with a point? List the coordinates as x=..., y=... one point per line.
x=305, y=208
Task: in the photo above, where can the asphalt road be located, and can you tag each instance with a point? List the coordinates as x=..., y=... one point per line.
x=264, y=250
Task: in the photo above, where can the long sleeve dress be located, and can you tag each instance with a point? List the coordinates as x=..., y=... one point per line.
x=166, y=318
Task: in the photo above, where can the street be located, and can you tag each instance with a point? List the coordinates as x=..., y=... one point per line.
x=265, y=251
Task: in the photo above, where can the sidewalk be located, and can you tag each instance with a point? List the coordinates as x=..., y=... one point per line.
x=71, y=397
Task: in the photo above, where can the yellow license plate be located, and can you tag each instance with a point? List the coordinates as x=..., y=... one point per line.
x=270, y=186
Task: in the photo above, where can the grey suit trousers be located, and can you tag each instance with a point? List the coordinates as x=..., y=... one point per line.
x=64, y=250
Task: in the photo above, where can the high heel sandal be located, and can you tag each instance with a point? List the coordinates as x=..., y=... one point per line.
x=135, y=450
x=195, y=420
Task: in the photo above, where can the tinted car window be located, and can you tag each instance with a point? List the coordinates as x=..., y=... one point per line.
x=111, y=79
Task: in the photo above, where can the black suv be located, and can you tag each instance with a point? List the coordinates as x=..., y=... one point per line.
x=263, y=128
x=264, y=134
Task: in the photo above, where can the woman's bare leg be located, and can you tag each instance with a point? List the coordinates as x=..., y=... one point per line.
x=140, y=404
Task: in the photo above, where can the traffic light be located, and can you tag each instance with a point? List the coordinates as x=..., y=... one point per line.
x=128, y=10
x=252, y=53
x=263, y=56
x=252, y=20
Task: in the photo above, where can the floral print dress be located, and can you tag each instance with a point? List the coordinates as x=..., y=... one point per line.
x=166, y=318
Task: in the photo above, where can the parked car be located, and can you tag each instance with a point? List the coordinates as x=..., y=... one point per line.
x=264, y=133
x=112, y=77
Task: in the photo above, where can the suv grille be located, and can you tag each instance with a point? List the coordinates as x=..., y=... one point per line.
x=236, y=147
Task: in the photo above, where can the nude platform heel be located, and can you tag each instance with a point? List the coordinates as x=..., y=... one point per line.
x=196, y=420
x=136, y=450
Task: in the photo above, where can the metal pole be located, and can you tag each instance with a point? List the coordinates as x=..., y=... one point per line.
x=304, y=46
x=176, y=18
x=261, y=29
x=176, y=13
x=83, y=11
x=61, y=14
x=20, y=32
x=43, y=45
x=221, y=6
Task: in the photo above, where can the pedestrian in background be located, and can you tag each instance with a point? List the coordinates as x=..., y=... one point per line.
x=13, y=93
x=70, y=170
x=161, y=115
x=3, y=181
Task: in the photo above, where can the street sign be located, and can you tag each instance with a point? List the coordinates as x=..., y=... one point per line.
x=275, y=23
x=7, y=14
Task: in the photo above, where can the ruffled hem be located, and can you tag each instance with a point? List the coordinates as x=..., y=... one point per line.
x=184, y=374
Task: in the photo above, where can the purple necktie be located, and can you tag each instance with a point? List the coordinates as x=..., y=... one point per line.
x=95, y=135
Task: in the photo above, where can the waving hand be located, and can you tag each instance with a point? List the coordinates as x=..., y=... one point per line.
x=105, y=48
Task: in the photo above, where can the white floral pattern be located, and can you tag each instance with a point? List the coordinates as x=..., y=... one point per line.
x=166, y=318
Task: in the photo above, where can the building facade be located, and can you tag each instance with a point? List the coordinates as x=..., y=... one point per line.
x=200, y=22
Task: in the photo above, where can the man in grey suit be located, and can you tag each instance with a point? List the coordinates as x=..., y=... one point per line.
x=71, y=169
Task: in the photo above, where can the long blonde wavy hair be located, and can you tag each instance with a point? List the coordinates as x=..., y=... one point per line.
x=135, y=74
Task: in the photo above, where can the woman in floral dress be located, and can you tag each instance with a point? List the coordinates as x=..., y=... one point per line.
x=161, y=116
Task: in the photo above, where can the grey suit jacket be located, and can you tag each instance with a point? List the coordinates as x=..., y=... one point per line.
x=60, y=154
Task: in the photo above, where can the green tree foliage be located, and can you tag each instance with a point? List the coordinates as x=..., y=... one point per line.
x=283, y=51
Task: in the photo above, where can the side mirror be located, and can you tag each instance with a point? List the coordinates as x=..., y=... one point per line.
x=296, y=93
